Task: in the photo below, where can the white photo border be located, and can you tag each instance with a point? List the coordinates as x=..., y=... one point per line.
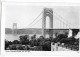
x=30, y=53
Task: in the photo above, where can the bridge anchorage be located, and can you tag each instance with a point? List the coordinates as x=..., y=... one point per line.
x=47, y=12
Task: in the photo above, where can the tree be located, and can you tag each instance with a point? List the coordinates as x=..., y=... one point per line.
x=7, y=43
x=15, y=42
x=46, y=46
x=74, y=32
x=24, y=40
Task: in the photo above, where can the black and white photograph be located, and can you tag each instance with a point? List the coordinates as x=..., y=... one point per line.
x=41, y=27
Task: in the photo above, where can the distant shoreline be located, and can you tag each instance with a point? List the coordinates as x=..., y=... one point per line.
x=32, y=31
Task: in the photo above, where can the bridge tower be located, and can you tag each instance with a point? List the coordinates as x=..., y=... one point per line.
x=14, y=29
x=47, y=12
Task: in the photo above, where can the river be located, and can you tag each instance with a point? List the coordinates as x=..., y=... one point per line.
x=11, y=37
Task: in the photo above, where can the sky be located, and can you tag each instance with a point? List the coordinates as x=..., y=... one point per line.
x=24, y=14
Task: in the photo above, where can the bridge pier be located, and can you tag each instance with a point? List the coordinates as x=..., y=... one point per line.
x=14, y=32
x=47, y=12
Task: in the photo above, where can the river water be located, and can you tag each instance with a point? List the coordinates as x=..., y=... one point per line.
x=11, y=37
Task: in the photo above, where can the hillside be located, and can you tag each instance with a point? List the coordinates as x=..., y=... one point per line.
x=8, y=31
x=24, y=31
x=29, y=31
x=33, y=31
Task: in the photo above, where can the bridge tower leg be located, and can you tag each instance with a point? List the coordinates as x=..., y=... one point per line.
x=14, y=32
x=47, y=12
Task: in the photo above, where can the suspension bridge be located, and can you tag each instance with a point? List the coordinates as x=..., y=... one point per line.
x=55, y=20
